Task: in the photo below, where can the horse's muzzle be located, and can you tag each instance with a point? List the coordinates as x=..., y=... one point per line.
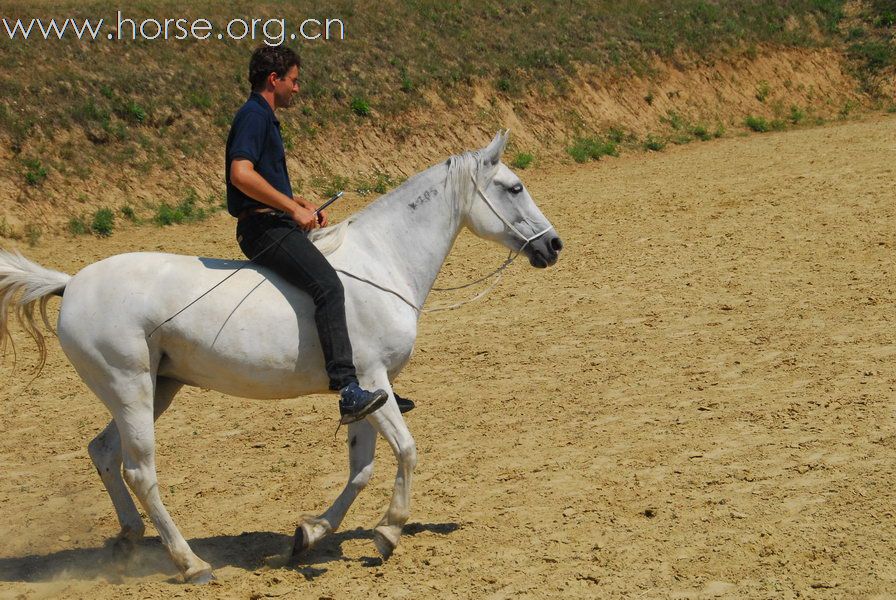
x=544, y=251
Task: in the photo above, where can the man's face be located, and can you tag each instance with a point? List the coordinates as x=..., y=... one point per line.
x=286, y=87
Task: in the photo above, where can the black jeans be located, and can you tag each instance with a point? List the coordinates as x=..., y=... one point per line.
x=299, y=261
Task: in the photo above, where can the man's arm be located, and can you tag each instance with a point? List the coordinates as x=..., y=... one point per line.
x=247, y=180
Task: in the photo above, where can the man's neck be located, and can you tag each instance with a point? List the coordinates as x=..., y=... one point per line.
x=268, y=95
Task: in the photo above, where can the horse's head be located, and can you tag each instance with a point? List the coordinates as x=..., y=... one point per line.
x=503, y=211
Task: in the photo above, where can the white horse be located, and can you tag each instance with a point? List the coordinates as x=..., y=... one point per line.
x=254, y=336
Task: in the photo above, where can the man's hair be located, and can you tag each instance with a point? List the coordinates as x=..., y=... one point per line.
x=270, y=59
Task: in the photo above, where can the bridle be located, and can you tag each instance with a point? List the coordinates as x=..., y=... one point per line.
x=519, y=234
x=499, y=271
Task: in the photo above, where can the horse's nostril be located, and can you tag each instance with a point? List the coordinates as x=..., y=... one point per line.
x=556, y=244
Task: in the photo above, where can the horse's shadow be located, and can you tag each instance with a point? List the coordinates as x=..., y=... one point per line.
x=249, y=551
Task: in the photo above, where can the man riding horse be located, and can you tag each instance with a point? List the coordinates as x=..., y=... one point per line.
x=272, y=223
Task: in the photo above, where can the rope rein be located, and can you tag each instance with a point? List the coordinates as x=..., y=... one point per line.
x=241, y=267
x=499, y=271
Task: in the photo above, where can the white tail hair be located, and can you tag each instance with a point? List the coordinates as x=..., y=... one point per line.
x=33, y=285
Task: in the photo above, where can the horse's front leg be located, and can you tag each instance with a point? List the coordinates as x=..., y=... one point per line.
x=361, y=447
x=391, y=425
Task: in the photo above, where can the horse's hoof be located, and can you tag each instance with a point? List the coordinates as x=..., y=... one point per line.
x=300, y=542
x=200, y=577
x=384, y=545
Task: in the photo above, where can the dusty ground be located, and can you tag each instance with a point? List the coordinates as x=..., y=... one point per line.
x=696, y=402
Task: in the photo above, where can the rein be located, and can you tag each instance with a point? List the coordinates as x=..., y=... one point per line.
x=499, y=271
x=295, y=226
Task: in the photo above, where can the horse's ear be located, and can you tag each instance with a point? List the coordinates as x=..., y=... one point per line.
x=491, y=155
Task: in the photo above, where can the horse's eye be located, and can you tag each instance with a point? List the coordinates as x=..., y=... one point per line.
x=516, y=189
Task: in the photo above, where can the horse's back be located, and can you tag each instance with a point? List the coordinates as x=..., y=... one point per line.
x=203, y=321
x=210, y=322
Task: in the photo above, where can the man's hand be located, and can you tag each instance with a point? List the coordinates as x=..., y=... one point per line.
x=305, y=218
x=322, y=219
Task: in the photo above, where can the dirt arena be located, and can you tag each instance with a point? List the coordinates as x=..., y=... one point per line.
x=696, y=402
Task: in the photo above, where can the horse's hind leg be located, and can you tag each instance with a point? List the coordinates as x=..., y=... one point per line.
x=129, y=397
x=361, y=448
x=105, y=451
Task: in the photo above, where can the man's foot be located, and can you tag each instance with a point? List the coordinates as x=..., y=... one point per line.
x=356, y=403
x=404, y=404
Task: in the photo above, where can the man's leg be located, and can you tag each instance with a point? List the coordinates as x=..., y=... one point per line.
x=299, y=261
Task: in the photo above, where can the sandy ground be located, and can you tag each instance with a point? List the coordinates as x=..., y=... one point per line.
x=696, y=402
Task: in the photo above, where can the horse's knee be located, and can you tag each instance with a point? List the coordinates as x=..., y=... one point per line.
x=361, y=478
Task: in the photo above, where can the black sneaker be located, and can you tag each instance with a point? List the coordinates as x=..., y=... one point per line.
x=405, y=405
x=355, y=403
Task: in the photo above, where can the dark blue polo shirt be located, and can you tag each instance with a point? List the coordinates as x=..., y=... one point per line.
x=255, y=136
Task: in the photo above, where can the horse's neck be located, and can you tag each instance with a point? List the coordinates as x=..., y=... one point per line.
x=406, y=235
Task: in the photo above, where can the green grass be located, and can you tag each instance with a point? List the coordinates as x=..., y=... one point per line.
x=653, y=143
x=584, y=149
x=127, y=211
x=131, y=112
x=874, y=54
x=759, y=124
x=378, y=183
x=797, y=115
x=360, y=107
x=674, y=120
x=331, y=185
x=187, y=210
x=701, y=132
x=199, y=99
x=522, y=160
x=35, y=173
x=618, y=135
x=504, y=84
x=33, y=234
x=848, y=107
x=466, y=40
x=103, y=222
x=77, y=226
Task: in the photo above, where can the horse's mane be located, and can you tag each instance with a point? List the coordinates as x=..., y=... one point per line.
x=459, y=180
x=462, y=169
x=330, y=238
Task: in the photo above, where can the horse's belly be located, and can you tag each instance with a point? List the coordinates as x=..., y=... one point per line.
x=247, y=381
x=257, y=359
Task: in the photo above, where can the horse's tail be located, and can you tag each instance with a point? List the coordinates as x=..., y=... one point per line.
x=24, y=284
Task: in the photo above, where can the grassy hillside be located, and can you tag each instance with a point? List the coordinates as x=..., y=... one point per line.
x=80, y=111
